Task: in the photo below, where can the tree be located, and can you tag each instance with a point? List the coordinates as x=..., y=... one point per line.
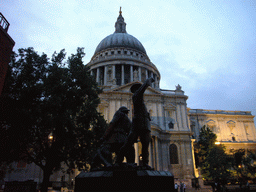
x=211, y=158
x=205, y=142
x=244, y=167
x=49, y=109
x=217, y=165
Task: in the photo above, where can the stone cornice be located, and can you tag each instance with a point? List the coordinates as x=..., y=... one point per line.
x=218, y=112
x=224, y=116
x=246, y=143
x=157, y=99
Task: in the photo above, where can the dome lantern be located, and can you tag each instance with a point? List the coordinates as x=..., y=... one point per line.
x=120, y=25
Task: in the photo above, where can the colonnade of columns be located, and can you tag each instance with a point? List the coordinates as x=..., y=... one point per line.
x=106, y=75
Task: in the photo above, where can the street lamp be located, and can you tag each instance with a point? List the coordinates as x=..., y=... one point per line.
x=50, y=138
x=217, y=143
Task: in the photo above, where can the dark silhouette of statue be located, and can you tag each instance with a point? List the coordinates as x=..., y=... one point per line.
x=113, y=139
x=140, y=123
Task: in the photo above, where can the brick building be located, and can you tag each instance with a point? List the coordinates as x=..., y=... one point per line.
x=6, y=46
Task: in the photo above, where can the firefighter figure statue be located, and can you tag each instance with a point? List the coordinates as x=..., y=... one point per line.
x=113, y=139
x=140, y=124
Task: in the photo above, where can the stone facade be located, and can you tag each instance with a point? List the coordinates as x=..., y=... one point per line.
x=234, y=129
x=169, y=126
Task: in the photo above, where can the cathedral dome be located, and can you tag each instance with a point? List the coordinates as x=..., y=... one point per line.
x=120, y=40
x=120, y=58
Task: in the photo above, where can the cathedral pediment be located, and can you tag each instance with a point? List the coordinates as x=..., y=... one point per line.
x=126, y=89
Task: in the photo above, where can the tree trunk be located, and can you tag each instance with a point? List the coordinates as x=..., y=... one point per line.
x=46, y=178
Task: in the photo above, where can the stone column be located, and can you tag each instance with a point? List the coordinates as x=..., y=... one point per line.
x=157, y=154
x=179, y=116
x=166, y=119
x=136, y=147
x=118, y=104
x=160, y=114
x=114, y=71
x=139, y=73
x=131, y=73
x=146, y=73
x=196, y=173
x=91, y=73
x=175, y=119
x=183, y=113
x=105, y=75
x=150, y=155
x=112, y=109
x=122, y=81
x=157, y=114
x=98, y=75
x=152, y=75
x=153, y=153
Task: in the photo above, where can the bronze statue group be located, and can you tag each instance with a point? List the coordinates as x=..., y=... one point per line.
x=122, y=133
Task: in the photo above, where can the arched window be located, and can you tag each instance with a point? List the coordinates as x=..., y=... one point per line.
x=173, y=154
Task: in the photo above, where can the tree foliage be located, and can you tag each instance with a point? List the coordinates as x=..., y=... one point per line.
x=204, y=144
x=217, y=164
x=49, y=111
x=244, y=165
x=212, y=159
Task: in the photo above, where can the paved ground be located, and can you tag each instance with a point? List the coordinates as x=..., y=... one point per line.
x=231, y=188
x=200, y=190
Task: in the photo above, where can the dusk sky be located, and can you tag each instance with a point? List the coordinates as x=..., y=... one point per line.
x=208, y=47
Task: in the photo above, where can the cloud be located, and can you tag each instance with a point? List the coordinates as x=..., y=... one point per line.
x=206, y=47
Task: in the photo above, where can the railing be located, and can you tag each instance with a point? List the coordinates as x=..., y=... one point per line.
x=3, y=22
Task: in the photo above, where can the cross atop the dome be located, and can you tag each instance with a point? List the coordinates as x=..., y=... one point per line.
x=120, y=25
x=120, y=12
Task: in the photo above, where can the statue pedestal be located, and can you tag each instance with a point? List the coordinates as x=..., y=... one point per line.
x=124, y=179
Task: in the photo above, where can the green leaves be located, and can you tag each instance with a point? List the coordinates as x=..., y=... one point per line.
x=244, y=165
x=217, y=165
x=212, y=159
x=55, y=96
x=205, y=143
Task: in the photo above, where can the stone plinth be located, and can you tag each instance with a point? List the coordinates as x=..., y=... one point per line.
x=135, y=179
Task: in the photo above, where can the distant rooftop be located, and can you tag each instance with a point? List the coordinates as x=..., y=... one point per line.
x=3, y=22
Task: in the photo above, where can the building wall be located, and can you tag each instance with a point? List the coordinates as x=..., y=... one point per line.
x=6, y=45
x=24, y=172
x=163, y=108
x=234, y=129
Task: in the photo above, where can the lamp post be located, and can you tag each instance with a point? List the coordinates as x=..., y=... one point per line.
x=50, y=139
